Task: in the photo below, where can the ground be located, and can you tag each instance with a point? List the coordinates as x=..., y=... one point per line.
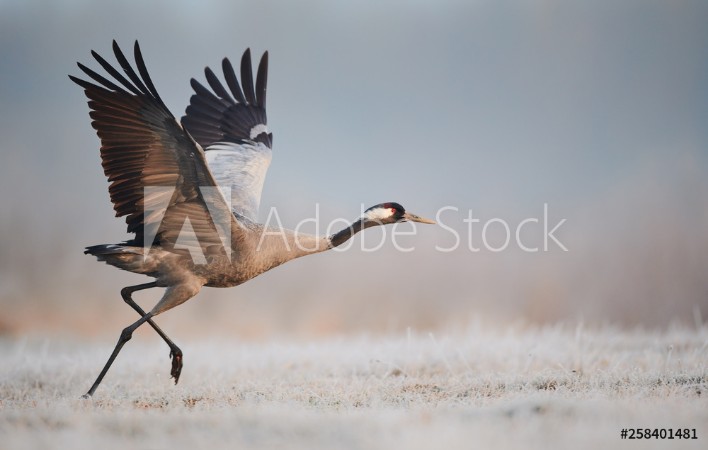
x=514, y=386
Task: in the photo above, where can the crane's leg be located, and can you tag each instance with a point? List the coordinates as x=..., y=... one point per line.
x=175, y=352
x=125, y=336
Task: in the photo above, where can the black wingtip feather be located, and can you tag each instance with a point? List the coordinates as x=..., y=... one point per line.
x=84, y=84
x=232, y=81
x=100, y=79
x=114, y=73
x=213, y=115
x=262, y=80
x=202, y=91
x=142, y=68
x=216, y=85
x=128, y=69
x=247, y=77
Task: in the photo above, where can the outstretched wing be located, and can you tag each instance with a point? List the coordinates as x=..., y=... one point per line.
x=158, y=175
x=232, y=129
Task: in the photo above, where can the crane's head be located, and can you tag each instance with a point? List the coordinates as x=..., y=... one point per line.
x=381, y=214
x=391, y=212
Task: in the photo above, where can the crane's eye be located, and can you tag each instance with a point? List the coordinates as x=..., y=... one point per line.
x=393, y=211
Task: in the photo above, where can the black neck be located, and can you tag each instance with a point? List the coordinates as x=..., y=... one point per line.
x=344, y=235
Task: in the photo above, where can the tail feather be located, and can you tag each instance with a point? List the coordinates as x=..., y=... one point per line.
x=123, y=256
x=107, y=249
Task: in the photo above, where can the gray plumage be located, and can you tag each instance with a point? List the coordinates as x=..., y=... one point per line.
x=190, y=191
x=241, y=170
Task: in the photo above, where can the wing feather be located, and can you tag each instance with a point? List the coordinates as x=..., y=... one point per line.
x=262, y=80
x=216, y=85
x=247, y=77
x=100, y=79
x=231, y=80
x=232, y=129
x=114, y=73
x=240, y=170
x=128, y=69
x=147, y=158
x=142, y=68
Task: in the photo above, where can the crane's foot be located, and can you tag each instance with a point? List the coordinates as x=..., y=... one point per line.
x=176, y=355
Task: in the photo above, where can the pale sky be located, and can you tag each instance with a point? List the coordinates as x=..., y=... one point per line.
x=597, y=108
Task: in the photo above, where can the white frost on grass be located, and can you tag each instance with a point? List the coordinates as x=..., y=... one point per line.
x=516, y=387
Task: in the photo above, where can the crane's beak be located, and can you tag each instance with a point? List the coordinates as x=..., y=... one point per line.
x=414, y=218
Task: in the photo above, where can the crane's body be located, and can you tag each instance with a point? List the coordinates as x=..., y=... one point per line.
x=190, y=191
x=262, y=250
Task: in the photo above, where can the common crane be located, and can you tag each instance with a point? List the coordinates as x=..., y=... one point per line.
x=190, y=191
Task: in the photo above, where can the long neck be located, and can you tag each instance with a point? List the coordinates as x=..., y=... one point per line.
x=344, y=235
x=276, y=246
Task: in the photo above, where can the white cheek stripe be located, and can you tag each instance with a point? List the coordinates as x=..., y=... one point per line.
x=378, y=214
x=258, y=129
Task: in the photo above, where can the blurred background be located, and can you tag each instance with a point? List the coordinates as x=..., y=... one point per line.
x=597, y=108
